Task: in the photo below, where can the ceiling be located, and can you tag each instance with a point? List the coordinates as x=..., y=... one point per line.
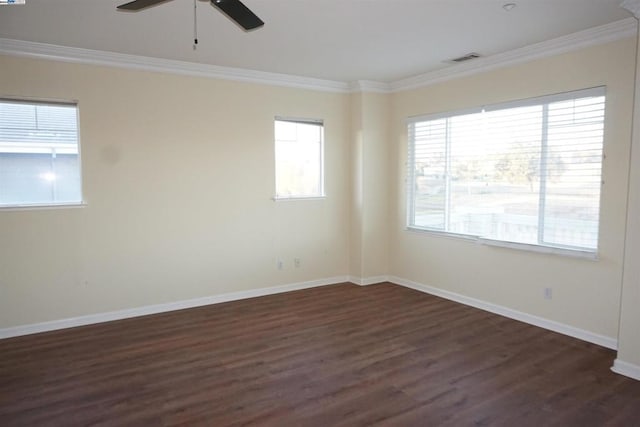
x=341, y=40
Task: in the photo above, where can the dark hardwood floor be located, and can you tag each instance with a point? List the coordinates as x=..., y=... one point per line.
x=336, y=355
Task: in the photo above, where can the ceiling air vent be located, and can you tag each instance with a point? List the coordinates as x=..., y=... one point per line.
x=464, y=58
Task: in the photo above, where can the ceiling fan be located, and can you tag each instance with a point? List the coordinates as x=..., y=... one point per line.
x=234, y=9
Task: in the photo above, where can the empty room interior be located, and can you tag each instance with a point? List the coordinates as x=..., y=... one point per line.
x=349, y=212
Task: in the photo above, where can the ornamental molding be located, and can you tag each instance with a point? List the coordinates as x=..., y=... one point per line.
x=572, y=42
x=582, y=39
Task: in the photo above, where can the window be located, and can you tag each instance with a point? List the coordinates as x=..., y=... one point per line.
x=299, y=158
x=526, y=172
x=39, y=159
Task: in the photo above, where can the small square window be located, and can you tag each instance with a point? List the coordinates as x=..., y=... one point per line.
x=39, y=154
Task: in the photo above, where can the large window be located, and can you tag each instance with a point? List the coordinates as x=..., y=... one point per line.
x=527, y=172
x=39, y=160
x=299, y=158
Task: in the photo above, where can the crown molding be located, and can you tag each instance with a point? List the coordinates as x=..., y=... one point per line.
x=632, y=6
x=144, y=63
x=369, y=86
x=572, y=42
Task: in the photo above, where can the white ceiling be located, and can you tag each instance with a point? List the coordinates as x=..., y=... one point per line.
x=342, y=40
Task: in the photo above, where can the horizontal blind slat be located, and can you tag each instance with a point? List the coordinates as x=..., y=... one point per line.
x=481, y=174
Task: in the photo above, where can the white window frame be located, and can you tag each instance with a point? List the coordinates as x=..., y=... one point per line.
x=540, y=246
x=46, y=148
x=321, y=194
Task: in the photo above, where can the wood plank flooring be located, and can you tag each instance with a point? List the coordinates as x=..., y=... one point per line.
x=340, y=355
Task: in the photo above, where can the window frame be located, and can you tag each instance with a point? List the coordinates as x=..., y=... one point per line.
x=321, y=180
x=51, y=205
x=540, y=246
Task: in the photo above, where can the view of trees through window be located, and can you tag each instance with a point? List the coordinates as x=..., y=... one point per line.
x=527, y=174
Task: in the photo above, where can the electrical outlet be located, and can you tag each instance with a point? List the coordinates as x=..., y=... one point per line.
x=548, y=293
x=296, y=262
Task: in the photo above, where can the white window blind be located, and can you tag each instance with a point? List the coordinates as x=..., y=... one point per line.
x=39, y=156
x=299, y=154
x=525, y=172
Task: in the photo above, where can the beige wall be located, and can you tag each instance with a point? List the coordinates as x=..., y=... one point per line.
x=375, y=224
x=178, y=175
x=586, y=294
x=370, y=160
x=629, y=337
x=357, y=186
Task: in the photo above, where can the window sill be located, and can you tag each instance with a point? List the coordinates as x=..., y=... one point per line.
x=43, y=207
x=572, y=253
x=296, y=198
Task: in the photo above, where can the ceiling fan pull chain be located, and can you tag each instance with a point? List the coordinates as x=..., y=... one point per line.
x=195, y=24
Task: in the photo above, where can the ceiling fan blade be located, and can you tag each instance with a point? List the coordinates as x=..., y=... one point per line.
x=140, y=4
x=240, y=13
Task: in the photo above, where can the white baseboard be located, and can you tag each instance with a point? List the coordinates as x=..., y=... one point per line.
x=621, y=367
x=366, y=281
x=161, y=308
x=551, y=325
x=627, y=369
